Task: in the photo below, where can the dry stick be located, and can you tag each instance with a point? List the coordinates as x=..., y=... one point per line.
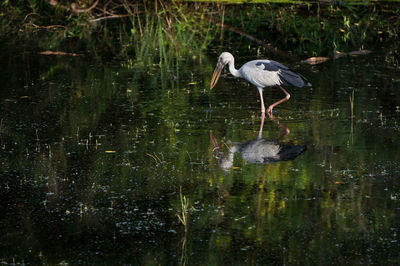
x=106, y=4
x=128, y=8
x=116, y=7
x=41, y=27
x=145, y=7
x=109, y=17
x=182, y=15
x=167, y=19
x=223, y=20
x=138, y=19
x=48, y=27
x=30, y=14
x=58, y=53
x=104, y=11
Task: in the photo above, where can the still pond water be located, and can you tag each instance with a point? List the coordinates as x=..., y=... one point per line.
x=93, y=158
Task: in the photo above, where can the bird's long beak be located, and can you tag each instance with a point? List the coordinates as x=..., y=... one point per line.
x=216, y=75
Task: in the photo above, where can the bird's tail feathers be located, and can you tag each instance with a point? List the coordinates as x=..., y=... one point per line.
x=290, y=77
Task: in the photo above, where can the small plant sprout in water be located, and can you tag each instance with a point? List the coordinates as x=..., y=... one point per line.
x=183, y=216
x=351, y=98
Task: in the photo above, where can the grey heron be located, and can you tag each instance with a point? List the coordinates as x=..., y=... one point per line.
x=259, y=150
x=261, y=73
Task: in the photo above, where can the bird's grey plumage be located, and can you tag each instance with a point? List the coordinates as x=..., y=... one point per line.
x=269, y=151
x=260, y=151
x=261, y=73
x=266, y=73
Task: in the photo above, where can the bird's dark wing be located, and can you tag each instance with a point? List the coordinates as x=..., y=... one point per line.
x=290, y=77
x=286, y=75
x=269, y=66
x=289, y=152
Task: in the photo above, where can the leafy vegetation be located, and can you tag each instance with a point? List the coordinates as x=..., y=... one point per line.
x=161, y=30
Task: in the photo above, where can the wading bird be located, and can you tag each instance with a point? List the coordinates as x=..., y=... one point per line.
x=261, y=73
x=259, y=150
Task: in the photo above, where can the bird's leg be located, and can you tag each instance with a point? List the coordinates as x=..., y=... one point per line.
x=287, y=97
x=261, y=126
x=260, y=90
x=273, y=119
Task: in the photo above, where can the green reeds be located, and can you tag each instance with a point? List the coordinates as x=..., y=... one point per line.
x=184, y=211
x=166, y=32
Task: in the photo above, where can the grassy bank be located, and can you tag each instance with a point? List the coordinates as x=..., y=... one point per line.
x=160, y=31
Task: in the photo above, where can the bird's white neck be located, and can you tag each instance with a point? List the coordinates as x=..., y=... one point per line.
x=233, y=70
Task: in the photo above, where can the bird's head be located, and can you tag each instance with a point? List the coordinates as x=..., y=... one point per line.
x=223, y=59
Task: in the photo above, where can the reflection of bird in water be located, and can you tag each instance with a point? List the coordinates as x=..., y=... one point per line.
x=258, y=150
x=261, y=73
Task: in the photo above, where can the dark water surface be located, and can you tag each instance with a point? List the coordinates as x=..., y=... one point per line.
x=93, y=157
